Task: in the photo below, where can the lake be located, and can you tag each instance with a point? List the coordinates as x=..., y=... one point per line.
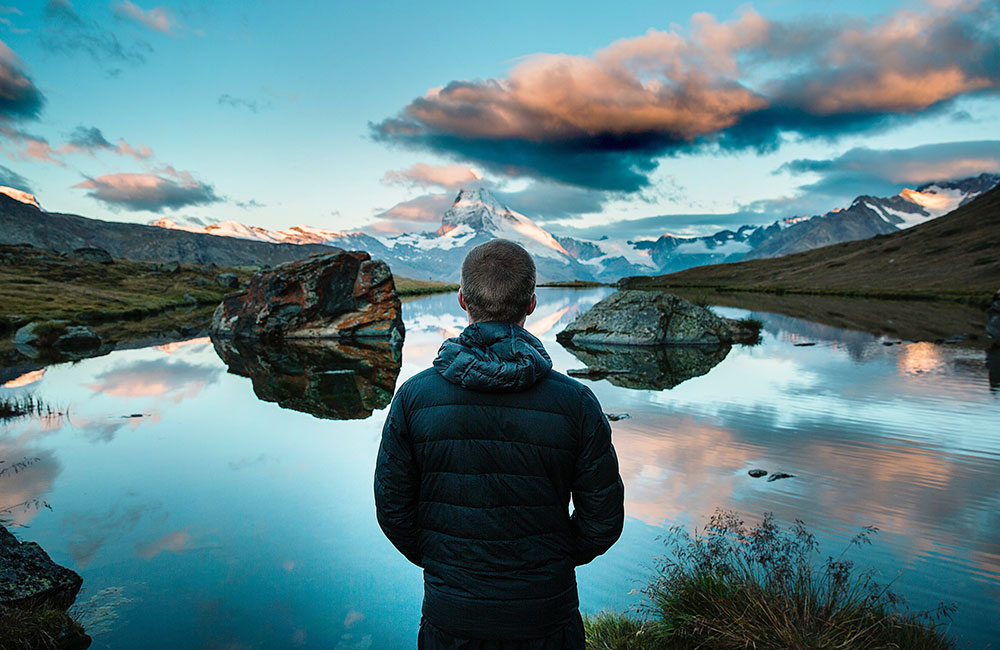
x=203, y=516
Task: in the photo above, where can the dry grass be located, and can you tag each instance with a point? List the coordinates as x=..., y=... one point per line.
x=40, y=285
x=406, y=287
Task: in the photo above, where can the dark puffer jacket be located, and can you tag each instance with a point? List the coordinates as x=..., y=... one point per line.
x=479, y=457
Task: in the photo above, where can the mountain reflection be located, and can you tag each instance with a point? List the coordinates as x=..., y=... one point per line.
x=329, y=379
x=647, y=367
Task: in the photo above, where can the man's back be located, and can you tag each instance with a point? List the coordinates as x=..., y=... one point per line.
x=480, y=456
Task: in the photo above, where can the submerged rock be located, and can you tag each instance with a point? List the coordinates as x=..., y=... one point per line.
x=646, y=367
x=337, y=380
x=344, y=295
x=634, y=317
x=777, y=476
x=993, y=318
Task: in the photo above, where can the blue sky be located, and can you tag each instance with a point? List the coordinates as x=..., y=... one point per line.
x=280, y=113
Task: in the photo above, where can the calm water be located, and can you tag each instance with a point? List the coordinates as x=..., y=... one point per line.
x=203, y=517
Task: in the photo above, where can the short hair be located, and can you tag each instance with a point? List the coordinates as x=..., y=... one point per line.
x=498, y=281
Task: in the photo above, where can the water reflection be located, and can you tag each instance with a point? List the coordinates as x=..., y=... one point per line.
x=646, y=367
x=254, y=525
x=330, y=379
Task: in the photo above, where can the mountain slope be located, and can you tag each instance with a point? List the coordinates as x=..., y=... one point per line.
x=957, y=255
x=22, y=223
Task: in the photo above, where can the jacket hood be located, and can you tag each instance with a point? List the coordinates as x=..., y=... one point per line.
x=493, y=357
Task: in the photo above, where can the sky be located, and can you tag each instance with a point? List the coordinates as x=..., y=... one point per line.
x=593, y=118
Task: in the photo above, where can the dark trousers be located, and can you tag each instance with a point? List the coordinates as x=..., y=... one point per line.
x=568, y=637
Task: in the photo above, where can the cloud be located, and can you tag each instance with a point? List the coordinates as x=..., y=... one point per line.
x=29, y=146
x=5, y=9
x=65, y=31
x=167, y=189
x=11, y=178
x=546, y=201
x=679, y=224
x=413, y=215
x=158, y=19
x=19, y=97
x=449, y=177
x=251, y=105
x=90, y=140
x=605, y=121
x=883, y=171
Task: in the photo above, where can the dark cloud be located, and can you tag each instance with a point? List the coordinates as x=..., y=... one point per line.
x=605, y=121
x=886, y=171
x=251, y=105
x=90, y=140
x=67, y=32
x=251, y=204
x=11, y=178
x=166, y=190
x=19, y=97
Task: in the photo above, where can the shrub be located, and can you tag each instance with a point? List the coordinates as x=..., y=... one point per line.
x=734, y=587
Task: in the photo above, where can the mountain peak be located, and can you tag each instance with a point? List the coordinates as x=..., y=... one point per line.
x=477, y=208
x=20, y=195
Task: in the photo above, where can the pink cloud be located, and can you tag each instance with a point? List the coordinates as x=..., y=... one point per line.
x=166, y=189
x=450, y=177
x=158, y=19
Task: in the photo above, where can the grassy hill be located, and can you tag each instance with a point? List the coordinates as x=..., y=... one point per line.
x=956, y=256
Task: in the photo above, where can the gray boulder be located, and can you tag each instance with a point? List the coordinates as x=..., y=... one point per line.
x=93, y=254
x=78, y=337
x=228, y=280
x=633, y=317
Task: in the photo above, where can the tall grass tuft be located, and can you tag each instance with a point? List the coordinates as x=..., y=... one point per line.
x=732, y=587
x=22, y=405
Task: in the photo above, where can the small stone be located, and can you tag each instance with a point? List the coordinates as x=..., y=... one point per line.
x=757, y=473
x=807, y=344
x=777, y=476
x=614, y=417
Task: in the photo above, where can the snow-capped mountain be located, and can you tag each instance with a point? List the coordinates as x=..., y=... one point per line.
x=477, y=216
x=20, y=195
x=868, y=216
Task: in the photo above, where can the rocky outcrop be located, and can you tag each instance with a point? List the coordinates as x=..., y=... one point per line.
x=993, y=318
x=633, y=317
x=93, y=254
x=35, y=593
x=646, y=367
x=335, y=380
x=343, y=295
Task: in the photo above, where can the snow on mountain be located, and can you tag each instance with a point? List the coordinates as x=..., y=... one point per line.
x=20, y=195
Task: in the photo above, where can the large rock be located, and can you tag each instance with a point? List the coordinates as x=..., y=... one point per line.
x=337, y=380
x=28, y=576
x=343, y=295
x=993, y=318
x=634, y=317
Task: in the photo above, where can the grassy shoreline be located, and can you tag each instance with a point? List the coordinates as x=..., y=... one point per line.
x=408, y=287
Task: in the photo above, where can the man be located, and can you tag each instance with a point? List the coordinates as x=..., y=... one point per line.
x=479, y=458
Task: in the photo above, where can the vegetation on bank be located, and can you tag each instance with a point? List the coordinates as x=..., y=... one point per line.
x=949, y=258
x=407, y=287
x=15, y=406
x=42, y=285
x=731, y=587
x=39, y=626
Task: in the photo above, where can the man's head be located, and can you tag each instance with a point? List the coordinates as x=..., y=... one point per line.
x=498, y=283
